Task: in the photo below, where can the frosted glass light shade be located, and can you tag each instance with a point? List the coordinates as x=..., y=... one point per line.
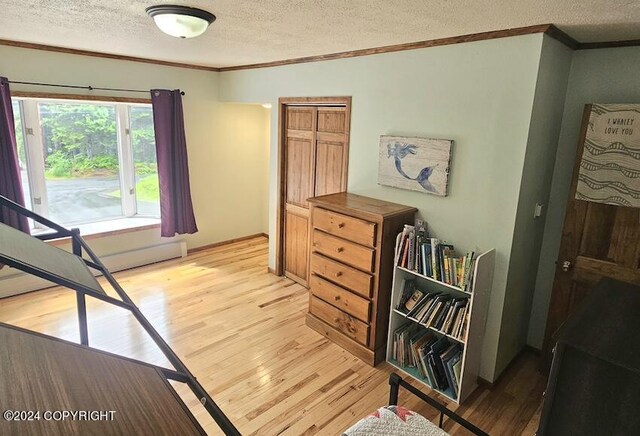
x=181, y=21
x=181, y=26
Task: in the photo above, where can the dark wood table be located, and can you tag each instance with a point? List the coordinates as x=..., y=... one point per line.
x=42, y=373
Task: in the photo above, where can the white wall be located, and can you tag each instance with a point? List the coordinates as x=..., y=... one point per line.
x=479, y=94
x=597, y=76
x=227, y=144
x=551, y=87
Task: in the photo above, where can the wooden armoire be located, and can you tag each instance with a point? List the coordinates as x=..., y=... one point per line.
x=314, y=153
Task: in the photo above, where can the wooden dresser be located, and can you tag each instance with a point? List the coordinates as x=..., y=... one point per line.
x=351, y=257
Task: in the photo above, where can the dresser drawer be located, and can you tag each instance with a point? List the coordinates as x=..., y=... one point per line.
x=340, y=298
x=353, y=229
x=339, y=320
x=350, y=278
x=342, y=250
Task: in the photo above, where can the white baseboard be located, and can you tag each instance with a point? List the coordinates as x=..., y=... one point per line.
x=19, y=282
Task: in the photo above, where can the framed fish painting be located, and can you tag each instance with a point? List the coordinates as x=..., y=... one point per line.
x=417, y=164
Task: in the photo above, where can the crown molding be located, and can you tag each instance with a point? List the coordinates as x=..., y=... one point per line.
x=495, y=34
x=609, y=44
x=97, y=54
x=547, y=29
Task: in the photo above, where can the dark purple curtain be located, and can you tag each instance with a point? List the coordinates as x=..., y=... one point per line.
x=10, y=182
x=176, y=209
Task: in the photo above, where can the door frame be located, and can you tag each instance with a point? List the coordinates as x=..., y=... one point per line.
x=283, y=102
x=566, y=249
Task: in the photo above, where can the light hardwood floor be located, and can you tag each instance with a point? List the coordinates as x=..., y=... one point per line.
x=241, y=331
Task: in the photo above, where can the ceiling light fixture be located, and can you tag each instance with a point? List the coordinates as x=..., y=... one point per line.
x=181, y=21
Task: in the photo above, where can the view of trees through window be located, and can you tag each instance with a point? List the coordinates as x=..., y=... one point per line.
x=87, y=175
x=81, y=164
x=143, y=143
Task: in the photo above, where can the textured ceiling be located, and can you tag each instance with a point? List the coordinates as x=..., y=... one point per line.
x=253, y=31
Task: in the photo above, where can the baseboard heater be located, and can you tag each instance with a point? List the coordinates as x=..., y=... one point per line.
x=17, y=282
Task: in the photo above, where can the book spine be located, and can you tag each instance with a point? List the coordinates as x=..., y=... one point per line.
x=472, y=265
x=447, y=270
x=434, y=258
x=440, y=260
x=405, y=254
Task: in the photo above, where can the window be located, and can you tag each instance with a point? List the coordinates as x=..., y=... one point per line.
x=84, y=162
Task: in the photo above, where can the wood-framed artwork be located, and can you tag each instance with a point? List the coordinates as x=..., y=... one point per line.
x=417, y=164
x=610, y=165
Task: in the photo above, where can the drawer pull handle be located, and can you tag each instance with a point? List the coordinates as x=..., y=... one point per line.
x=339, y=273
x=337, y=297
x=340, y=249
x=340, y=225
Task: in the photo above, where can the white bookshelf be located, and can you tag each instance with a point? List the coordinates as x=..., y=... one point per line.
x=480, y=291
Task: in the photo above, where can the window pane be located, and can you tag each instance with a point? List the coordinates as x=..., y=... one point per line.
x=144, y=159
x=22, y=152
x=81, y=161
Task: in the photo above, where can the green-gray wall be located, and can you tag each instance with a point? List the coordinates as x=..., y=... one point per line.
x=479, y=94
x=544, y=130
x=597, y=76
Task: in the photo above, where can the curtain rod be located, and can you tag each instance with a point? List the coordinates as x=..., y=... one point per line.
x=89, y=87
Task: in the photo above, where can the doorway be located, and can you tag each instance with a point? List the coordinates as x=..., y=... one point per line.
x=598, y=240
x=313, y=158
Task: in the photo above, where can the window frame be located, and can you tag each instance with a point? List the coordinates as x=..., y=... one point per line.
x=34, y=149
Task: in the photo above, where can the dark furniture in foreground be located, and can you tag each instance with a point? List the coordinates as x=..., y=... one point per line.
x=594, y=385
x=396, y=382
x=30, y=254
x=41, y=373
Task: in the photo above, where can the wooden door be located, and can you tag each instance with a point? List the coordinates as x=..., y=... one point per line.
x=299, y=179
x=331, y=156
x=314, y=149
x=598, y=240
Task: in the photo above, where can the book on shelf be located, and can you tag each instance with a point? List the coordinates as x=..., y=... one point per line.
x=457, y=369
x=413, y=301
x=421, y=237
x=452, y=356
x=430, y=257
x=440, y=311
x=408, y=290
x=437, y=360
x=403, y=244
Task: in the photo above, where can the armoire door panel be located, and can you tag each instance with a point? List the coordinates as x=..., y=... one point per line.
x=296, y=240
x=331, y=119
x=592, y=270
x=300, y=118
x=598, y=228
x=299, y=171
x=331, y=137
x=300, y=134
x=329, y=167
x=625, y=249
